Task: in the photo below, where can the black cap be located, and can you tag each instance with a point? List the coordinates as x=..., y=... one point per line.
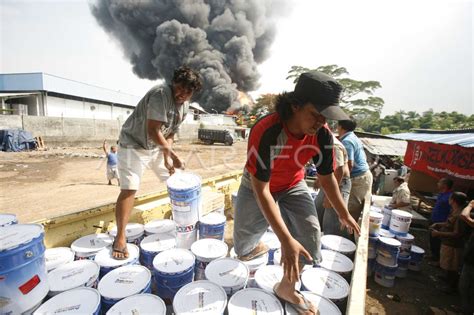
x=323, y=92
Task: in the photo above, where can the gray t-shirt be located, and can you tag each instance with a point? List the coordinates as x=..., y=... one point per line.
x=158, y=104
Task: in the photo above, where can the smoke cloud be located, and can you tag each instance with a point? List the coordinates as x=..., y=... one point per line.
x=223, y=39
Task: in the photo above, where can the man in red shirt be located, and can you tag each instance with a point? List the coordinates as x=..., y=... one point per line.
x=279, y=146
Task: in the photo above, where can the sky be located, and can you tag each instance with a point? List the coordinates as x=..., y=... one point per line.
x=420, y=51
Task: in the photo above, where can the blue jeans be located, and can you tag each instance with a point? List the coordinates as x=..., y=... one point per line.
x=331, y=223
x=297, y=210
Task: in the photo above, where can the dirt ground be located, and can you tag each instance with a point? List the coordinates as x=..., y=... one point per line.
x=42, y=184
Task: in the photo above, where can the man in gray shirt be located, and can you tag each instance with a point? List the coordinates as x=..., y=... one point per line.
x=146, y=140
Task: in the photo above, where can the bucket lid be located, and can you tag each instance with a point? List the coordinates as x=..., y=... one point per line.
x=267, y=276
x=77, y=301
x=271, y=240
x=213, y=218
x=376, y=215
x=124, y=281
x=254, y=301
x=159, y=226
x=72, y=275
x=401, y=213
x=417, y=250
x=336, y=261
x=338, y=243
x=7, y=218
x=57, y=256
x=386, y=233
x=139, y=304
x=12, y=236
x=407, y=237
x=390, y=241
x=322, y=304
x=200, y=297
x=326, y=283
x=209, y=249
x=156, y=243
x=375, y=209
x=174, y=260
x=254, y=263
x=132, y=230
x=227, y=272
x=183, y=181
x=91, y=243
x=105, y=259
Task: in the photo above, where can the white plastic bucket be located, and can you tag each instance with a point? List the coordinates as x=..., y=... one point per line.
x=123, y=282
x=186, y=236
x=134, y=232
x=402, y=269
x=77, y=301
x=325, y=283
x=212, y=226
x=388, y=250
x=386, y=233
x=143, y=303
x=385, y=275
x=184, y=190
x=336, y=262
x=153, y=244
x=253, y=301
x=107, y=262
x=322, y=304
x=231, y=274
x=338, y=244
x=160, y=226
x=253, y=265
x=277, y=257
x=271, y=240
x=406, y=243
x=23, y=283
x=7, y=219
x=416, y=258
x=267, y=276
x=200, y=297
x=376, y=209
x=88, y=246
x=375, y=223
x=400, y=222
x=57, y=256
x=387, y=214
x=205, y=251
x=372, y=252
x=75, y=274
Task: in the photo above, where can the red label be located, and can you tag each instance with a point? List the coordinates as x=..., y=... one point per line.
x=30, y=285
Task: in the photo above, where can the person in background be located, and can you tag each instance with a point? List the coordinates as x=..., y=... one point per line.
x=361, y=177
x=401, y=195
x=378, y=173
x=111, y=156
x=466, y=281
x=439, y=214
x=452, y=234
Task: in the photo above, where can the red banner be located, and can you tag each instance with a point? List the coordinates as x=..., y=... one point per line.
x=442, y=160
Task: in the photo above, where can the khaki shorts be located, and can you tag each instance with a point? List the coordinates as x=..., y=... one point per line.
x=450, y=258
x=112, y=172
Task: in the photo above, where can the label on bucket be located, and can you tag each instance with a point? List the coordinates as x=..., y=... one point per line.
x=124, y=281
x=186, y=239
x=338, y=244
x=229, y=273
x=336, y=262
x=254, y=301
x=139, y=304
x=156, y=243
x=174, y=261
x=160, y=226
x=400, y=221
x=91, y=244
x=76, y=301
x=322, y=304
x=15, y=235
x=57, y=256
x=200, y=297
x=105, y=259
x=72, y=275
x=326, y=283
x=267, y=276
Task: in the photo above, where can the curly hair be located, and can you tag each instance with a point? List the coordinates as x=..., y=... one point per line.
x=283, y=104
x=188, y=78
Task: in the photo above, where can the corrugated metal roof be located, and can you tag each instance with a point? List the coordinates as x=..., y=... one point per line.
x=464, y=139
x=385, y=146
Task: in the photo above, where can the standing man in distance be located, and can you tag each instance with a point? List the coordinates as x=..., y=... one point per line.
x=146, y=140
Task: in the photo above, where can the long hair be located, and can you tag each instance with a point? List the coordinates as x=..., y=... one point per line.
x=283, y=104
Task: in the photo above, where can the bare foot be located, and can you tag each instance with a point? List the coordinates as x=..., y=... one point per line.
x=119, y=249
x=289, y=294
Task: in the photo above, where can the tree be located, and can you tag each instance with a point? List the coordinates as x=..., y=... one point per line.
x=264, y=105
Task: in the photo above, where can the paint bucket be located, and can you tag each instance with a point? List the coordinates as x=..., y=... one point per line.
x=184, y=190
x=172, y=269
x=57, y=256
x=212, y=226
x=152, y=245
x=254, y=301
x=200, y=297
x=387, y=214
x=160, y=226
x=375, y=209
x=134, y=233
x=386, y=233
x=77, y=301
x=123, y=282
x=23, y=283
x=402, y=269
x=79, y=273
x=372, y=252
x=88, y=246
x=107, y=262
x=267, y=276
x=231, y=274
x=338, y=244
x=388, y=250
x=186, y=236
x=385, y=275
x=277, y=257
x=326, y=283
x=271, y=240
x=400, y=222
x=7, y=219
x=416, y=257
x=407, y=242
x=253, y=265
x=370, y=266
x=234, y=199
x=323, y=305
x=375, y=222
x=143, y=303
x=336, y=262
x=205, y=251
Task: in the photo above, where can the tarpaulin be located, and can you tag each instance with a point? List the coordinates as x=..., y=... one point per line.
x=15, y=140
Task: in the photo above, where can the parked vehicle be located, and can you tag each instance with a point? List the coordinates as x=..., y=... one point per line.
x=210, y=136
